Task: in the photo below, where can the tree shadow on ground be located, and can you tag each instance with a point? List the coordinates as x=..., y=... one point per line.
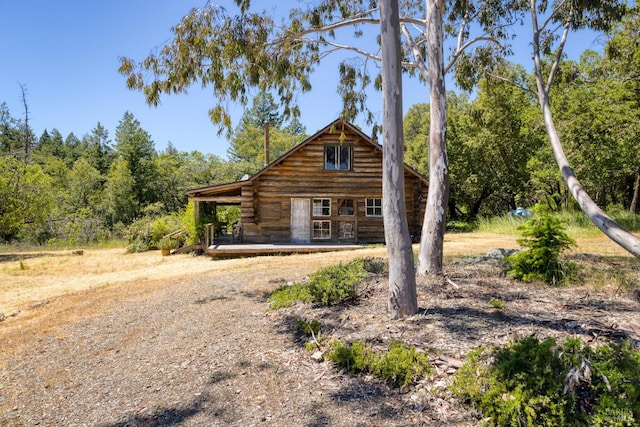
x=469, y=322
x=164, y=416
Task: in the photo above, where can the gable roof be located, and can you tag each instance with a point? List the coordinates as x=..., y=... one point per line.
x=231, y=192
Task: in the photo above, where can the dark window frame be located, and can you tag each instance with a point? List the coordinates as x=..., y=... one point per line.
x=334, y=157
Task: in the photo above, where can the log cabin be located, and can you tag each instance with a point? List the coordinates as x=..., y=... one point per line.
x=326, y=190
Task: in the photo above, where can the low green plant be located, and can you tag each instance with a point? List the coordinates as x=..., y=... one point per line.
x=137, y=246
x=311, y=330
x=376, y=265
x=503, y=224
x=457, y=226
x=400, y=366
x=287, y=295
x=336, y=283
x=326, y=286
x=497, y=303
x=309, y=327
x=355, y=357
x=542, y=383
x=166, y=243
x=544, y=238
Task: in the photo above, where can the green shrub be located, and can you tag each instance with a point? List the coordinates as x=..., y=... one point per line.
x=533, y=383
x=288, y=295
x=497, y=303
x=355, y=357
x=166, y=243
x=326, y=286
x=544, y=237
x=336, y=283
x=137, y=246
x=146, y=232
x=400, y=366
x=376, y=265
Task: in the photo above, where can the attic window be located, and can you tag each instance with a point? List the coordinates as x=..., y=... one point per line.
x=337, y=157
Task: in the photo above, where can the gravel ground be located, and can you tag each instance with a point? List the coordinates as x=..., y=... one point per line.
x=208, y=352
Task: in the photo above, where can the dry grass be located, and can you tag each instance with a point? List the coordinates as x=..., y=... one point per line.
x=74, y=286
x=29, y=278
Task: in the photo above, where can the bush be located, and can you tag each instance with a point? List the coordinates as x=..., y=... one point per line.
x=328, y=285
x=544, y=237
x=531, y=383
x=376, y=265
x=146, y=233
x=400, y=366
x=166, y=243
x=336, y=283
x=355, y=357
x=288, y=295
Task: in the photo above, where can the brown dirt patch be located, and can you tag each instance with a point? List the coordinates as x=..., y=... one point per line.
x=189, y=341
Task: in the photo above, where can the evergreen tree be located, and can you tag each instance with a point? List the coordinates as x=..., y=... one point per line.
x=135, y=147
x=99, y=151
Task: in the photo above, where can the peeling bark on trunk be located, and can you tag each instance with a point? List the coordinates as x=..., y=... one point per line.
x=430, y=257
x=403, y=300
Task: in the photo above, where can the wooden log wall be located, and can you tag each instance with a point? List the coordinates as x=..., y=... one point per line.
x=266, y=205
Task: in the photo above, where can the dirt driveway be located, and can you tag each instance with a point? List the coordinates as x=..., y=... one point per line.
x=202, y=351
x=202, y=348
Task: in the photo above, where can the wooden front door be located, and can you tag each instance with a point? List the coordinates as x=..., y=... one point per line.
x=300, y=220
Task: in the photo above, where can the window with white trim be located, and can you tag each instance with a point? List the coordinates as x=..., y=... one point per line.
x=321, y=229
x=337, y=157
x=321, y=207
x=374, y=207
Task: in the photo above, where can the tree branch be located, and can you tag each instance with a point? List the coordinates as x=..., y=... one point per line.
x=338, y=46
x=556, y=61
x=361, y=18
x=511, y=82
x=420, y=62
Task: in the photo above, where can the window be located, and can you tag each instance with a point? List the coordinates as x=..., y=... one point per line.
x=374, y=207
x=321, y=207
x=346, y=207
x=347, y=230
x=337, y=157
x=322, y=229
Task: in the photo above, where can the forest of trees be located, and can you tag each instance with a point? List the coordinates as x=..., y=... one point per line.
x=91, y=189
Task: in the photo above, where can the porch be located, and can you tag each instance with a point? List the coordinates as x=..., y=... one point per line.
x=225, y=250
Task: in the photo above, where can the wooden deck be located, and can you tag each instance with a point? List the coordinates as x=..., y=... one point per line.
x=249, y=250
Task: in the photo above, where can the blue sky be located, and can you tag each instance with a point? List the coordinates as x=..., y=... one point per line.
x=67, y=53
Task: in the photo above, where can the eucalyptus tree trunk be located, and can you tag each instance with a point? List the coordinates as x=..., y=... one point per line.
x=432, y=239
x=403, y=299
x=622, y=237
x=608, y=226
x=636, y=194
